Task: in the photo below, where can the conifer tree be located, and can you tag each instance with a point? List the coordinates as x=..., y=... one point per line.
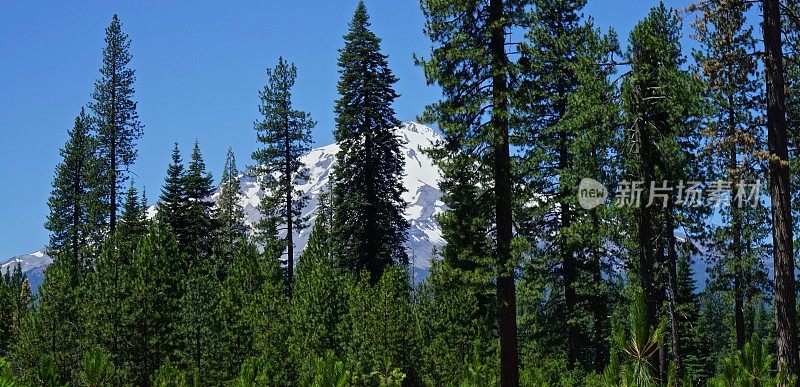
x=102, y=302
x=696, y=359
x=133, y=221
x=73, y=208
x=267, y=315
x=566, y=98
x=53, y=332
x=780, y=192
x=319, y=298
x=452, y=322
x=285, y=134
x=173, y=200
x=661, y=105
x=198, y=328
x=237, y=300
x=15, y=289
x=469, y=61
x=735, y=145
x=152, y=305
x=368, y=224
x=116, y=125
x=380, y=321
x=229, y=212
x=200, y=225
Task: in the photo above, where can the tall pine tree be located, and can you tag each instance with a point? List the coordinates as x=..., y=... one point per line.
x=661, y=105
x=735, y=143
x=72, y=218
x=229, y=212
x=285, y=134
x=117, y=123
x=566, y=98
x=469, y=61
x=368, y=224
x=173, y=200
x=780, y=192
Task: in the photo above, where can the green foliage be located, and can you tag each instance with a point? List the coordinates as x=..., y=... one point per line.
x=115, y=119
x=319, y=300
x=750, y=367
x=251, y=374
x=169, y=376
x=328, y=371
x=47, y=374
x=452, y=322
x=6, y=378
x=368, y=224
x=96, y=368
x=151, y=305
x=284, y=134
x=74, y=203
x=229, y=212
x=638, y=341
x=382, y=330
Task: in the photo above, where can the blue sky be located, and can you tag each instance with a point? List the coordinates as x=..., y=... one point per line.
x=199, y=67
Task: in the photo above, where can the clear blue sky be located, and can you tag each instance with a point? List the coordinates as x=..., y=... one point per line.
x=199, y=66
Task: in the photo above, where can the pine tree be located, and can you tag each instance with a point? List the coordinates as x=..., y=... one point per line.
x=267, y=315
x=735, y=144
x=198, y=329
x=133, y=221
x=15, y=289
x=380, y=320
x=116, y=125
x=470, y=63
x=236, y=300
x=452, y=322
x=152, y=305
x=780, y=192
x=53, y=332
x=72, y=218
x=368, y=224
x=173, y=200
x=661, y=108
x=200, y=225
x=102, y=304
x=285, y=134
x=229, y=212
x=319, y=298
x=566, y=99
x=697, y=350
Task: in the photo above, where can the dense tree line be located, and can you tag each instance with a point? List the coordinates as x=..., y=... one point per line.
x=532, y=288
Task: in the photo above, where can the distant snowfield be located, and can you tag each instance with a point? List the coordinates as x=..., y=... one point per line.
x=421, y=181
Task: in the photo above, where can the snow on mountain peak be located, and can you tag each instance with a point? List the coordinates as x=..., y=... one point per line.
x=422, y=195
x=421, y=181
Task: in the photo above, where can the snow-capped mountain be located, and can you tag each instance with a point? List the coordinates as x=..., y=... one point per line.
x=32, y=265
x=420, y=180
x=422, y=195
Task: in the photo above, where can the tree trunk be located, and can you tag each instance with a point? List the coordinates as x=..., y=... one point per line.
x=567, y=259
x=672, y=276
x=289, y=216
x=785, y=314
x=506, y=293
x=599, y=307
x=736, y=230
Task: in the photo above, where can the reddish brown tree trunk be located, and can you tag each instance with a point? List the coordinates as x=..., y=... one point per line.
x=506, y=292
x=785, y=314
